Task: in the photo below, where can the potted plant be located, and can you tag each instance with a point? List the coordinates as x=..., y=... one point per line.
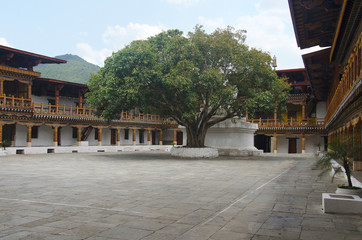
x=5, y=143
x=343, y=153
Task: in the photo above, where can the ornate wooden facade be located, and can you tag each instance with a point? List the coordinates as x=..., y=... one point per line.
x=28, y=100
x=335, y=72
x=304, y=119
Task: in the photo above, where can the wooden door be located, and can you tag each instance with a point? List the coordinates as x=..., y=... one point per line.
x=292, y=146
x=59, y=136
x=113, y=136
x=179, y=138
x=153, y=135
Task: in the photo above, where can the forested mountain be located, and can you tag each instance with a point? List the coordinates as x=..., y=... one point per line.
x=75, y=70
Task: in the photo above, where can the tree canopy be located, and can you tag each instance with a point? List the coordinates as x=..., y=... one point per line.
x=198, y=80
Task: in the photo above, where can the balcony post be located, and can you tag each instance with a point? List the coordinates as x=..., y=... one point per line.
x=275, y=116
x=80, y=101
x=161, y=137
x=134, y=136
x=118, y=141
x=29, y=90
x=99, y=136
x=1, y=86
x=175, y=137
x=148, y=136
x=79, y=135
x=1, y=132
x=55, y=136
x=28, y=136
x=303, y=143
x=303, y=111
x=275, y=143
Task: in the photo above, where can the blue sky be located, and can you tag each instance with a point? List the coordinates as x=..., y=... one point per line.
x=93, y=29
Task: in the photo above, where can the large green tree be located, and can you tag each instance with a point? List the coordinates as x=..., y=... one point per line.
x=198, y=80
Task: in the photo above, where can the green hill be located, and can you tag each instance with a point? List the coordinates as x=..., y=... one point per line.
x=75, y=70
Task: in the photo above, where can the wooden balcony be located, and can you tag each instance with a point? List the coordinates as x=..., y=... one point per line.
x=19, y=71
x=15, y=104
x=347, y=85
x=76, y=112
x=271, y=123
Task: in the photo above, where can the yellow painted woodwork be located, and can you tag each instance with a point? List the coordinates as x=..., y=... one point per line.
x=28, y=135
x=99, y=134
x=55, y=134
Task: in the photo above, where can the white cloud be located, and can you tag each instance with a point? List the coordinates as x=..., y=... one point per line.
x=118, y=36
x=211, y=24
x=183, y=2
x=267, y=30
x=115, y=38
x=91, y=55
x=4, y=42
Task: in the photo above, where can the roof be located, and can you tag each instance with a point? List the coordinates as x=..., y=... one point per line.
x=61, y=82
x=315, y=21
x=320, y=72
x=21, y=59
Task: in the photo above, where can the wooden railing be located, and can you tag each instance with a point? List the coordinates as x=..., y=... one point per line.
x=12, y=103
x=19, y=71
x=142, y=117
x=308, y=122
x=64, y=111
x=69, y=111
x=15, y=103
x=351, y=76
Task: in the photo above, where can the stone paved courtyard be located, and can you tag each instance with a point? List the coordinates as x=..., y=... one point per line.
x=153, y=196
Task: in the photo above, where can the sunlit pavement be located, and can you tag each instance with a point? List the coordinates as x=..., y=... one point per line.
x=154, y=196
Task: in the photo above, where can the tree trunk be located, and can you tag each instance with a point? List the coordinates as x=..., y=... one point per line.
x=348, y=173
x=196, y=136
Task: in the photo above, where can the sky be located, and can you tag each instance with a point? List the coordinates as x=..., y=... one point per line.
x=93, y=29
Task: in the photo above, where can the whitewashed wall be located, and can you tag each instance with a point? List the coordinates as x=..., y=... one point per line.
x=67, y=136
x=41, y=99
x=20, y=135
x=167, y=137
x=310, y=143
x=321, y=109
x=67, y=101
x=45, y=137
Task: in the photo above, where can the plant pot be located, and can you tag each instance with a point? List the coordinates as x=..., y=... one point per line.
x=349, y=191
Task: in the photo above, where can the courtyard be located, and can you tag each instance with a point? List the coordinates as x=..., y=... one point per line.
x=150, y=195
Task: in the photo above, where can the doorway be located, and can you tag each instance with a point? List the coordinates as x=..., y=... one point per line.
x=153, y=137
x=113, y=136
x=292, y=145
x=59, y=136
x=262, y=142
x=9, y=133
x=179, y=138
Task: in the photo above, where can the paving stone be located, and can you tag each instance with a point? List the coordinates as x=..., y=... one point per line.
x=153, y=196
x=227, y=235
x=126, y=233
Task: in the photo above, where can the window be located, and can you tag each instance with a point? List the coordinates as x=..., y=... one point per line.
x=51, y=101
x=96, y=133
x=142, y=135
x=34, y=131
x=126, y=134
x=75, y=132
